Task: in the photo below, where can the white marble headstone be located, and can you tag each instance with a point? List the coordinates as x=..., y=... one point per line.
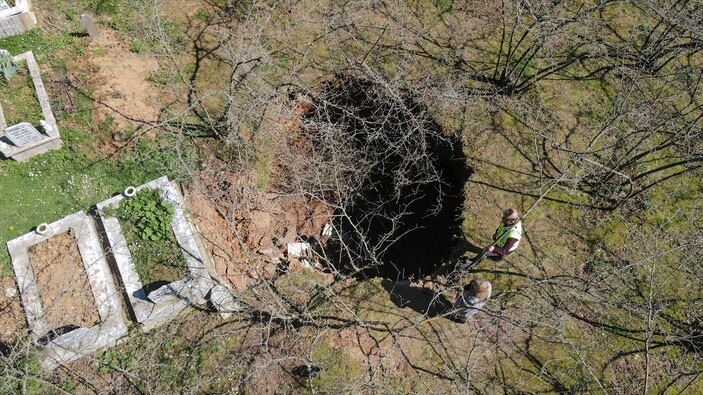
x=22, y=134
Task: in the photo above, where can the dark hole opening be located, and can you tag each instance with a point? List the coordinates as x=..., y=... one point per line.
x=54, y=333
x=402, y=218
x=6, y=349
x=153, y=286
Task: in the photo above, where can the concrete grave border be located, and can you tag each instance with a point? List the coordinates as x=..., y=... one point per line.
x=165, y=303
x=81, y=341
x=52, y=140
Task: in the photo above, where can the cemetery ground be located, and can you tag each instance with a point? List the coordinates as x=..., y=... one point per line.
x=305, y=331
x=107, y=90
x=64, y=181
x=98, y=88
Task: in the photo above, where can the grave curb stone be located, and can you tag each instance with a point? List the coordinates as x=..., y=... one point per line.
x=167, y=304
x=76, y=343
x=224, y=301
x=53, y=138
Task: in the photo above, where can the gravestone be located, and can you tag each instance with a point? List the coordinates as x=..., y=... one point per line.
x=23, y=134
x=87, y=22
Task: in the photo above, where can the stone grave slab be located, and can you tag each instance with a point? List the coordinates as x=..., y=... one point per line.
x=23, y=143
x=164, y=303
x=79, y=342
x=223, y=301
x=23, y=134
x=16, y=18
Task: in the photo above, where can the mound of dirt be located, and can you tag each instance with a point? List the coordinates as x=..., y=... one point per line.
x=65, y=292
x=122, y=91
x=246, y=230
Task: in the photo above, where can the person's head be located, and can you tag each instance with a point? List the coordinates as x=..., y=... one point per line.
x=481, y=289
x=510, y=216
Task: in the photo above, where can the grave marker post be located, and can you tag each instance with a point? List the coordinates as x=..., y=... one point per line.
x=87, y=22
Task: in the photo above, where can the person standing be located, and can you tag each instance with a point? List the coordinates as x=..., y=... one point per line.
x=507, y=237
x=505, y=241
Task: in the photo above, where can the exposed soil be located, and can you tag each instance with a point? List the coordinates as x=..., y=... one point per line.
x=122, y=90
x=246, y=230
x=12, y=324
x=65, y=293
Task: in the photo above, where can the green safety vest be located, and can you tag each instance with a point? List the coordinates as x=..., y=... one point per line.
x=505, y=232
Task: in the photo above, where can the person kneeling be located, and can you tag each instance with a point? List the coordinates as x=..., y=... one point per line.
x=473, y=297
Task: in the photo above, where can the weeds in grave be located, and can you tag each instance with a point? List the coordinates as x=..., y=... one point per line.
x=149, y=214
x=20, y=103
x=146, y=222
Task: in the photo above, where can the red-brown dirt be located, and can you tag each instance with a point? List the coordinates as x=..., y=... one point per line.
x=246, y=230
x=12, y=324
x=65, y=293
x=122, y=90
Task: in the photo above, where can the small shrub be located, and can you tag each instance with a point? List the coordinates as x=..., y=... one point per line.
x=8, y=68
x=150, y=215
x=138, y=46
x=146, y=222
x=113, y=360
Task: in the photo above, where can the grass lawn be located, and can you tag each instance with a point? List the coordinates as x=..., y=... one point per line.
x=19, y=100
x=53, y=185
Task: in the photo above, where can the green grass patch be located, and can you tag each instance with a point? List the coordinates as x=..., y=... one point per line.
x=49, y=187
x=38, y=42
x=52, y=185
x=19, y=98
x=337, y=370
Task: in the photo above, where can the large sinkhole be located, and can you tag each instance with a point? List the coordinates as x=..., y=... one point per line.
x=395, y=178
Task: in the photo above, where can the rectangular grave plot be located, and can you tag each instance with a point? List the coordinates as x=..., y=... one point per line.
x=158, y=296
x=64, y=290
x=20, y=102
x=158, y=260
